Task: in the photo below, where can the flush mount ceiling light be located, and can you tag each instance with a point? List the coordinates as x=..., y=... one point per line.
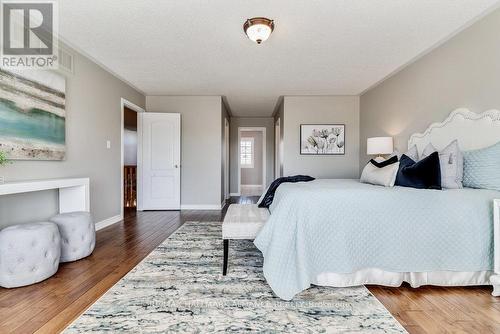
x=258, y=29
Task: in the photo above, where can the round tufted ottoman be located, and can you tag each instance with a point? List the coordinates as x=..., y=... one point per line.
x=77, y=235
x=29, y=253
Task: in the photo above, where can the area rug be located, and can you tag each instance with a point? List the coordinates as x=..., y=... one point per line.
x=178, y=288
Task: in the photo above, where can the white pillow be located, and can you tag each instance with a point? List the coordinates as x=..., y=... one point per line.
x=385, y=176
x=451, y=161
x=412, y=153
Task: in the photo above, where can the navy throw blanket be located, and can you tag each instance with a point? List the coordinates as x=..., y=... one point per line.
x=269, y=197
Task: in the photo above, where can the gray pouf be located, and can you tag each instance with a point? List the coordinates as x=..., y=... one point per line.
x=29, y=253
x=77, y=235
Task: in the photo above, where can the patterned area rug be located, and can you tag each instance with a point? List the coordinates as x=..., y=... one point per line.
x=179, y=288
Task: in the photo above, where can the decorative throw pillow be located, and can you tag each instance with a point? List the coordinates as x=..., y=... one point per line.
x=412, y=153
x=482, y=168
x=451, y=161
x=382, y=173
x=425, y=174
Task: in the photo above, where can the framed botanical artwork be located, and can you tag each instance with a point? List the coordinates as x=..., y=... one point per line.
x=322, y=139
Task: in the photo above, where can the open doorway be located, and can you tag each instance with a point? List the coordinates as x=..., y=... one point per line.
x=251, y=161
x=129, y=149
x=129, y=160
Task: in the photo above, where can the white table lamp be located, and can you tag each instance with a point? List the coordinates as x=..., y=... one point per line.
x=379, y=146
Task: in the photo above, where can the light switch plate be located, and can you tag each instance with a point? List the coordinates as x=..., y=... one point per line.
x=108, y=144
x=2, y=180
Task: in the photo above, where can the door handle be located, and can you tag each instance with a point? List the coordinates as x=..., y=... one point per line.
x=176, y=166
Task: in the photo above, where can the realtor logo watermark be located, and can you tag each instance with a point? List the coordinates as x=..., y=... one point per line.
x=29, y=34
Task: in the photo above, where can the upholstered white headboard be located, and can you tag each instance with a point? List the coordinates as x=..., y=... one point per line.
x=472, y=130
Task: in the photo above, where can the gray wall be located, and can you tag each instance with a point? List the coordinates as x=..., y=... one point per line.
x=201, y=151
x=253, y=176
x=235, y=123
x=321, y=109
x=93, y=113
x=463, y=72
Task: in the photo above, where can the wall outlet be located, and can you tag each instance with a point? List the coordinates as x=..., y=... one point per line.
x=108, y=144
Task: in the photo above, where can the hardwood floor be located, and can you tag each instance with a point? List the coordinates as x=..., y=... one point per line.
x=442, y=310
x=48, y=307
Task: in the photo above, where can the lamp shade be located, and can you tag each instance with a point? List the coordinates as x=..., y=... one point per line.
x=379, y=146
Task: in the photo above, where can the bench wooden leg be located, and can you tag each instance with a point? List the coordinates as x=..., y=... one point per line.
x=226, y=251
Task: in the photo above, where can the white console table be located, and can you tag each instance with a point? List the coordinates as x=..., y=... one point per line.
x=74, y=193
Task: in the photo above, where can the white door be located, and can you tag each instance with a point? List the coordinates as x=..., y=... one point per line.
x=159, y=142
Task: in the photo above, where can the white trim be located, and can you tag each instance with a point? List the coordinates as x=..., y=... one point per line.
x=264, y=157
x=125, y=103
x=252, y=185
x=201, y=207
x=235, y=194
x=139, y=206
x=108, y=222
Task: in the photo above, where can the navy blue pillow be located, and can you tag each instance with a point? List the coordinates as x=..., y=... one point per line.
x=425, y=174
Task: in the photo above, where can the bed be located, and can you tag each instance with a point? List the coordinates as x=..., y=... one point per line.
x=345, y=233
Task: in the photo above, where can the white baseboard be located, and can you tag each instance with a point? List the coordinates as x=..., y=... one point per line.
x=234, y=194
x=201, y=207
x=107, y=222
x=251, y=186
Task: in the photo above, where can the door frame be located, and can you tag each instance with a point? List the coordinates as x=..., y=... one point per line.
x=277, y=148
x=126, y=103
x=264, y=154
x=226, y=159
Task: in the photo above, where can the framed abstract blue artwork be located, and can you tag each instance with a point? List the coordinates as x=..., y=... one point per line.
x=32, y=115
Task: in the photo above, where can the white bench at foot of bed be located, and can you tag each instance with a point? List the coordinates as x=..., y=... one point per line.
x=242, y=221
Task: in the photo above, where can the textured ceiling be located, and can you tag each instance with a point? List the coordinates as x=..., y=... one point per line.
x=322, y=47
